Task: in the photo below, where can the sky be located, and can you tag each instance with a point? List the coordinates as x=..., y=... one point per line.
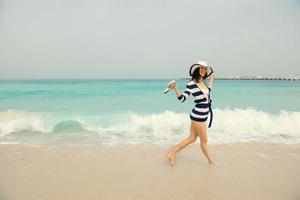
x=153, y=39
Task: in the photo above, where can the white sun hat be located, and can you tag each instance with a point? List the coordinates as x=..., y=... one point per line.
x=196, y=65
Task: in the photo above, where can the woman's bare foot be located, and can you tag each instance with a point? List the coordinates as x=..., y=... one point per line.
x=171, y=157
x=212, y=162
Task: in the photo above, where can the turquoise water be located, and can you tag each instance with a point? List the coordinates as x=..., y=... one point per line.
x=142, y=96
x=109, y=112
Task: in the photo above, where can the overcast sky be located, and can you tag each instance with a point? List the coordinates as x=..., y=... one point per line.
x=147, y=39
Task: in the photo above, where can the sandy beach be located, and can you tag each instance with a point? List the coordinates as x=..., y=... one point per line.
x=244, y=171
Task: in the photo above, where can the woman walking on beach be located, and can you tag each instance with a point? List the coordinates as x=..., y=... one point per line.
x=200, y=73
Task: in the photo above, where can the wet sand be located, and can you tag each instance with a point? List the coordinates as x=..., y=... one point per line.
x=243, y=171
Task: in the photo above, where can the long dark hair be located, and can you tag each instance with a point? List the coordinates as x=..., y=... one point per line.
x=196, y=75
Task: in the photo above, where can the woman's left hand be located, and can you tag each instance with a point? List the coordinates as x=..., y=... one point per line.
x=212, y=76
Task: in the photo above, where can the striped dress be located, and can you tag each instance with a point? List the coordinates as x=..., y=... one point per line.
x=202, y=102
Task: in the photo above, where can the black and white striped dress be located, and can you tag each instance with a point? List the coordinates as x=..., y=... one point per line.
x=202, y=102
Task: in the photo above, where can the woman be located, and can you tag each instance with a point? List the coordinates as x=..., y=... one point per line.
x=199, y=115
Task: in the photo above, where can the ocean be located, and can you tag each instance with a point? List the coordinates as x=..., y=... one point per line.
x=135, y=112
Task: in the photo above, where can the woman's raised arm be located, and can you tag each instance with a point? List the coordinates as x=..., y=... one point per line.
x=210, y=80
x=177, y=92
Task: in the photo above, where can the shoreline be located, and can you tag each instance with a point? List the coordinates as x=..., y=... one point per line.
x=254, y=170
x=159, y=146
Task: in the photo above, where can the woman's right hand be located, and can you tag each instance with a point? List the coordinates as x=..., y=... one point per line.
x=173, y=85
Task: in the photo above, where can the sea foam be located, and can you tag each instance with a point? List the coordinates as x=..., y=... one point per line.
x=229, y=126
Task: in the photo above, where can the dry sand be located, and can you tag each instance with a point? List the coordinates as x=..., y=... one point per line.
x=244, y=171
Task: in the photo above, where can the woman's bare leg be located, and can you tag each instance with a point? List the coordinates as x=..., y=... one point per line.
x=201, y=130
x=192, y=138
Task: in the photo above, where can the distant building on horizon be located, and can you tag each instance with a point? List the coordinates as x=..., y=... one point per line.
x=256, y=77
